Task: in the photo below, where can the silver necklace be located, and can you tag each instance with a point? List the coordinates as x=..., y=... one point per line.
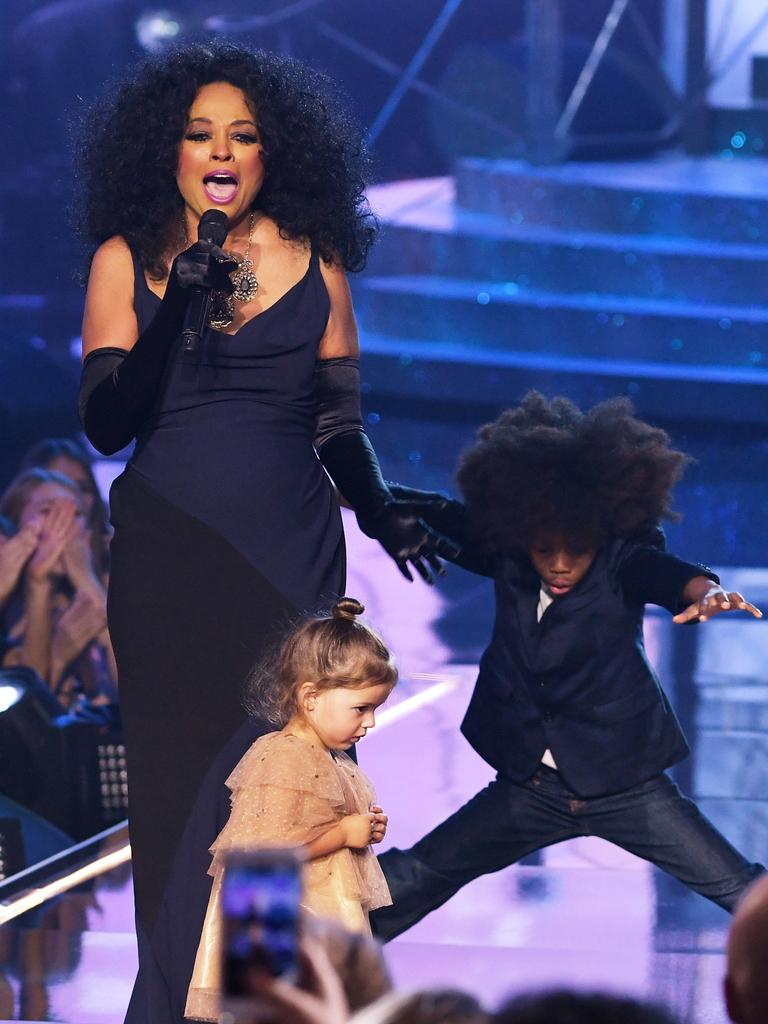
x=222, y=308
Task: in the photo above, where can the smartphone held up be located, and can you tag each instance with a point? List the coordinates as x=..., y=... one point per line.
x=260, y=900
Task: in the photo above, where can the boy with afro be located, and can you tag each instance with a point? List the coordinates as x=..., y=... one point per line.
x=562, y=509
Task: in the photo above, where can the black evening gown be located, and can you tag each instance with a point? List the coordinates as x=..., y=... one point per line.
x=226, y=529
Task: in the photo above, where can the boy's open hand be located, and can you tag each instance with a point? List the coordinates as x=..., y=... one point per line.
x=713, y=601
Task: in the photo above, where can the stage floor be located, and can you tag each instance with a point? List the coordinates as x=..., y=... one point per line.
x=586, y=915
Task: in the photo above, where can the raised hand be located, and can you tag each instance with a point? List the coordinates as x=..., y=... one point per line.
x=77, y=560
x=317, y=998
x=58, y=527
x=78, y=626
x=15, y=552
x=713, y=601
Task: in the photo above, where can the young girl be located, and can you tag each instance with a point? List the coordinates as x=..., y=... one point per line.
x=296, y=787
x=56, y=611
x=62, y=455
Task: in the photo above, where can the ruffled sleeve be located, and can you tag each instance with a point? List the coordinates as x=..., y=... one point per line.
x=285, y=792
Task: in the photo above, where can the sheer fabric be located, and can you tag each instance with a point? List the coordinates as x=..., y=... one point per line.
x=287, y=791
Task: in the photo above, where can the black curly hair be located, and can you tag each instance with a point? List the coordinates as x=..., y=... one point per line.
x=546, y=468
x=570, y=1007
x=316, y=163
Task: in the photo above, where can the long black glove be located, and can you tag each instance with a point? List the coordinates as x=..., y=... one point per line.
x=451, y=519
x=347, y=454
x=118, y=388
x=444, y=515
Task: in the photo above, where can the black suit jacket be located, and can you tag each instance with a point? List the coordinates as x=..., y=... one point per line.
x=578, y=682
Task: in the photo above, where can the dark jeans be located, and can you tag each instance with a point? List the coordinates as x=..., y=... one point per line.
x=506, y=821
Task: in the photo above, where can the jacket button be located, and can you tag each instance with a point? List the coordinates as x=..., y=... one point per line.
x=541, y=682
x=547, y=716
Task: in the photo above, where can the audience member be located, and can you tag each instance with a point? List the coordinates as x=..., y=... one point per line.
x=318, y=998
x=16, y=546
x=564, y=1007
x=357, y=958
x=431, y=1006
x=325, y=994
x=15, y=550
x=746, y=979
x=56, y=613
x=65, y=456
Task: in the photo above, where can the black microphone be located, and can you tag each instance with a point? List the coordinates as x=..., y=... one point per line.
x=213, y=227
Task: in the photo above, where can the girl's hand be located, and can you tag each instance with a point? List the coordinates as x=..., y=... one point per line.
x=357, y=830
x=713, y=601
x=57, y=529
x=380, y=820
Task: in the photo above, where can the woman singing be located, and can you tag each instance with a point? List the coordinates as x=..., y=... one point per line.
x=226, y=522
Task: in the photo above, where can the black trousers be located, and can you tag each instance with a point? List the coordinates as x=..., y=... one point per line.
x=506, y=821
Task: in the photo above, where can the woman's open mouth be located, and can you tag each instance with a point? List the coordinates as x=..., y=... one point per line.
x=220, y=186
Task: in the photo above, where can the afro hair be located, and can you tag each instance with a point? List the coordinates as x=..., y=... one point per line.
x=316, y=164
x=546, y=468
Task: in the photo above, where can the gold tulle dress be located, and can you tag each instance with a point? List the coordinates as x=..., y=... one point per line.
x=288, y=791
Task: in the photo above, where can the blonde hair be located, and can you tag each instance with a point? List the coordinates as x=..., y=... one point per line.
x=19, y=491
x=330, y=650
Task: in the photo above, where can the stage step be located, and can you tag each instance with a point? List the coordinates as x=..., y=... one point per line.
x=453, y=372
x=673, y=196
x=429, y=234
x=500, y=315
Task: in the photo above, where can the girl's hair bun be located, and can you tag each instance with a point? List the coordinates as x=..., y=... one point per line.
x=347, y=608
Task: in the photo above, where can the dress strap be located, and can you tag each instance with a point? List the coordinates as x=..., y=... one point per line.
x=144, y=299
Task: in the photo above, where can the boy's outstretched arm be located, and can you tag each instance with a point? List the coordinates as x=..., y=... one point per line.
x=650, y=575
x=704, y=598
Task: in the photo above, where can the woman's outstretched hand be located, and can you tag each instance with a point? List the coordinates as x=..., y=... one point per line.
x=423, y=500
x=408, y=539
x=711, y=599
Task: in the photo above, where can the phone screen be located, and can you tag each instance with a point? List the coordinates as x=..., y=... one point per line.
x=260, y=904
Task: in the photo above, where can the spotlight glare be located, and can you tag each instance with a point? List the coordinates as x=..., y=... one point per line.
x=155, y=30
x=10, y=693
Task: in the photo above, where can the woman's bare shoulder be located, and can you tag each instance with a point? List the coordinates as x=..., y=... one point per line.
x=109, y=317
x=112, y=257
